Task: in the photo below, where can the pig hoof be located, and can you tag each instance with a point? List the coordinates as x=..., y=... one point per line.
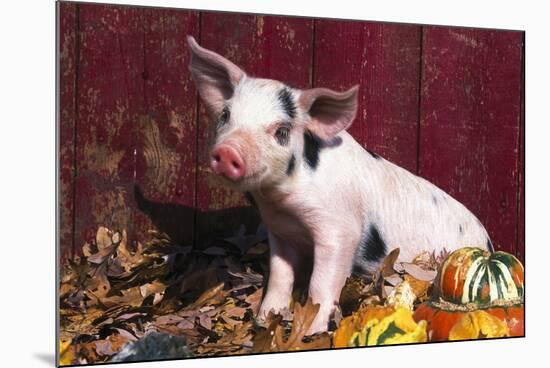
x=315, y=329
x=266, y=316
x=318, y=326
x=260, y=322
x=262, y=317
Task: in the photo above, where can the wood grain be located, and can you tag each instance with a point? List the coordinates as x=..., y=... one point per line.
x=520, y=247
x=469, y=123
x=67, y=13
x=385, y=60
x=110, y=104
x=264, y=46
x=447, y=103
x=166, y=137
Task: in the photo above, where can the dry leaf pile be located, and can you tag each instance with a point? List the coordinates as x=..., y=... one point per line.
x=394, y=284
x=115, y=295
x=203, y=301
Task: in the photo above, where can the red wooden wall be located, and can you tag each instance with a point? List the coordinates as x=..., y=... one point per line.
x=443, y=102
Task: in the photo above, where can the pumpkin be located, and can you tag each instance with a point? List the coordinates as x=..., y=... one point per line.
x=356, y=322
x=442, y=317
x=396, y=328
x=470, y=280
x=478, y=324
x=473, y=275
x=380, y=326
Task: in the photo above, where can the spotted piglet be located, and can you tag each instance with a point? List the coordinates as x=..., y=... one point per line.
x=319, y=193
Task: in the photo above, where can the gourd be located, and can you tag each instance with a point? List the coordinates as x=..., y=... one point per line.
x=380, y=326
x=472, y=279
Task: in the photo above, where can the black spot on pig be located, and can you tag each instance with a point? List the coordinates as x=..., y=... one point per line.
x=434, y=199
x=374, y=155
x=312, y=147
x=373, y=248
x=291, y=165
x=460, y=229
x=250, y=199
x=490, y=245
x=285, y=98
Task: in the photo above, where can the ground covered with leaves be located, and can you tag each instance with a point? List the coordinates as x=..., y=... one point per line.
x=160, y=300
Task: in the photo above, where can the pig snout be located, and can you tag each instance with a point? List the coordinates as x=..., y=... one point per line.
x=226, y=161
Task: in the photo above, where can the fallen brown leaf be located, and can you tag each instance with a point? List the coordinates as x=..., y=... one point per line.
x=263, y=339
x=418, y=272
x=386, y=269
x=214, y=295
x=254, y=300
x=419, y=287
x=354, y=291
x=274, y=337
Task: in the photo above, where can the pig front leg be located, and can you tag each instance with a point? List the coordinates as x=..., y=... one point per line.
x=283, y=264
x=332, y=264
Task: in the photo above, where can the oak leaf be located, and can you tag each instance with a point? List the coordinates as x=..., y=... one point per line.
x=273, y=339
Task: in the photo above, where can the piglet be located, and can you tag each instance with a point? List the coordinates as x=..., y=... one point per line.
x=319, y=193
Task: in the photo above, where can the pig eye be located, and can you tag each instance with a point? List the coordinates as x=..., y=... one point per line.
x=222, y=120
x=282, y=135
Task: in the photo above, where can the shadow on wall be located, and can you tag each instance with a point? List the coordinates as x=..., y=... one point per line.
x=187, y=225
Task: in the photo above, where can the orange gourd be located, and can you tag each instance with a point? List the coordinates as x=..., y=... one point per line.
x=472, y=279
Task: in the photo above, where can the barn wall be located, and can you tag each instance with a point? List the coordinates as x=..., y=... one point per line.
x=446, y=103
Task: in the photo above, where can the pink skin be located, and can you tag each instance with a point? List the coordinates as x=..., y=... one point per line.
x=293, y=233
x=327, y=212
x=226, y=161
x=296, y=234
x=283, y=266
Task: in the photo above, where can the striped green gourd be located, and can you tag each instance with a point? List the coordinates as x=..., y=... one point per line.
x=476, y=276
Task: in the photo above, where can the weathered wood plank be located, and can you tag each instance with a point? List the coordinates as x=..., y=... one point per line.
x=136, y=111
x=520, y=248
x=67, y=85
x=110, y=99
x=385, y=60
x=264, y=46
x=166, y=137
x=469, y=122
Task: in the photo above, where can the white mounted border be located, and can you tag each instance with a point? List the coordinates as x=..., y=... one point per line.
x=27, y=152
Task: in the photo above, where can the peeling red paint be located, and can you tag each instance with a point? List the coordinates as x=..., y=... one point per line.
x=67, y=73
x=469, y=130
x=256, y=44
x=444, y=102
x=384, y=59
x=110, y=101
x=166, y=137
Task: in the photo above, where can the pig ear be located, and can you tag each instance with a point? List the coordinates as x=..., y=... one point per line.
x=330, y=111
x=215, y=76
